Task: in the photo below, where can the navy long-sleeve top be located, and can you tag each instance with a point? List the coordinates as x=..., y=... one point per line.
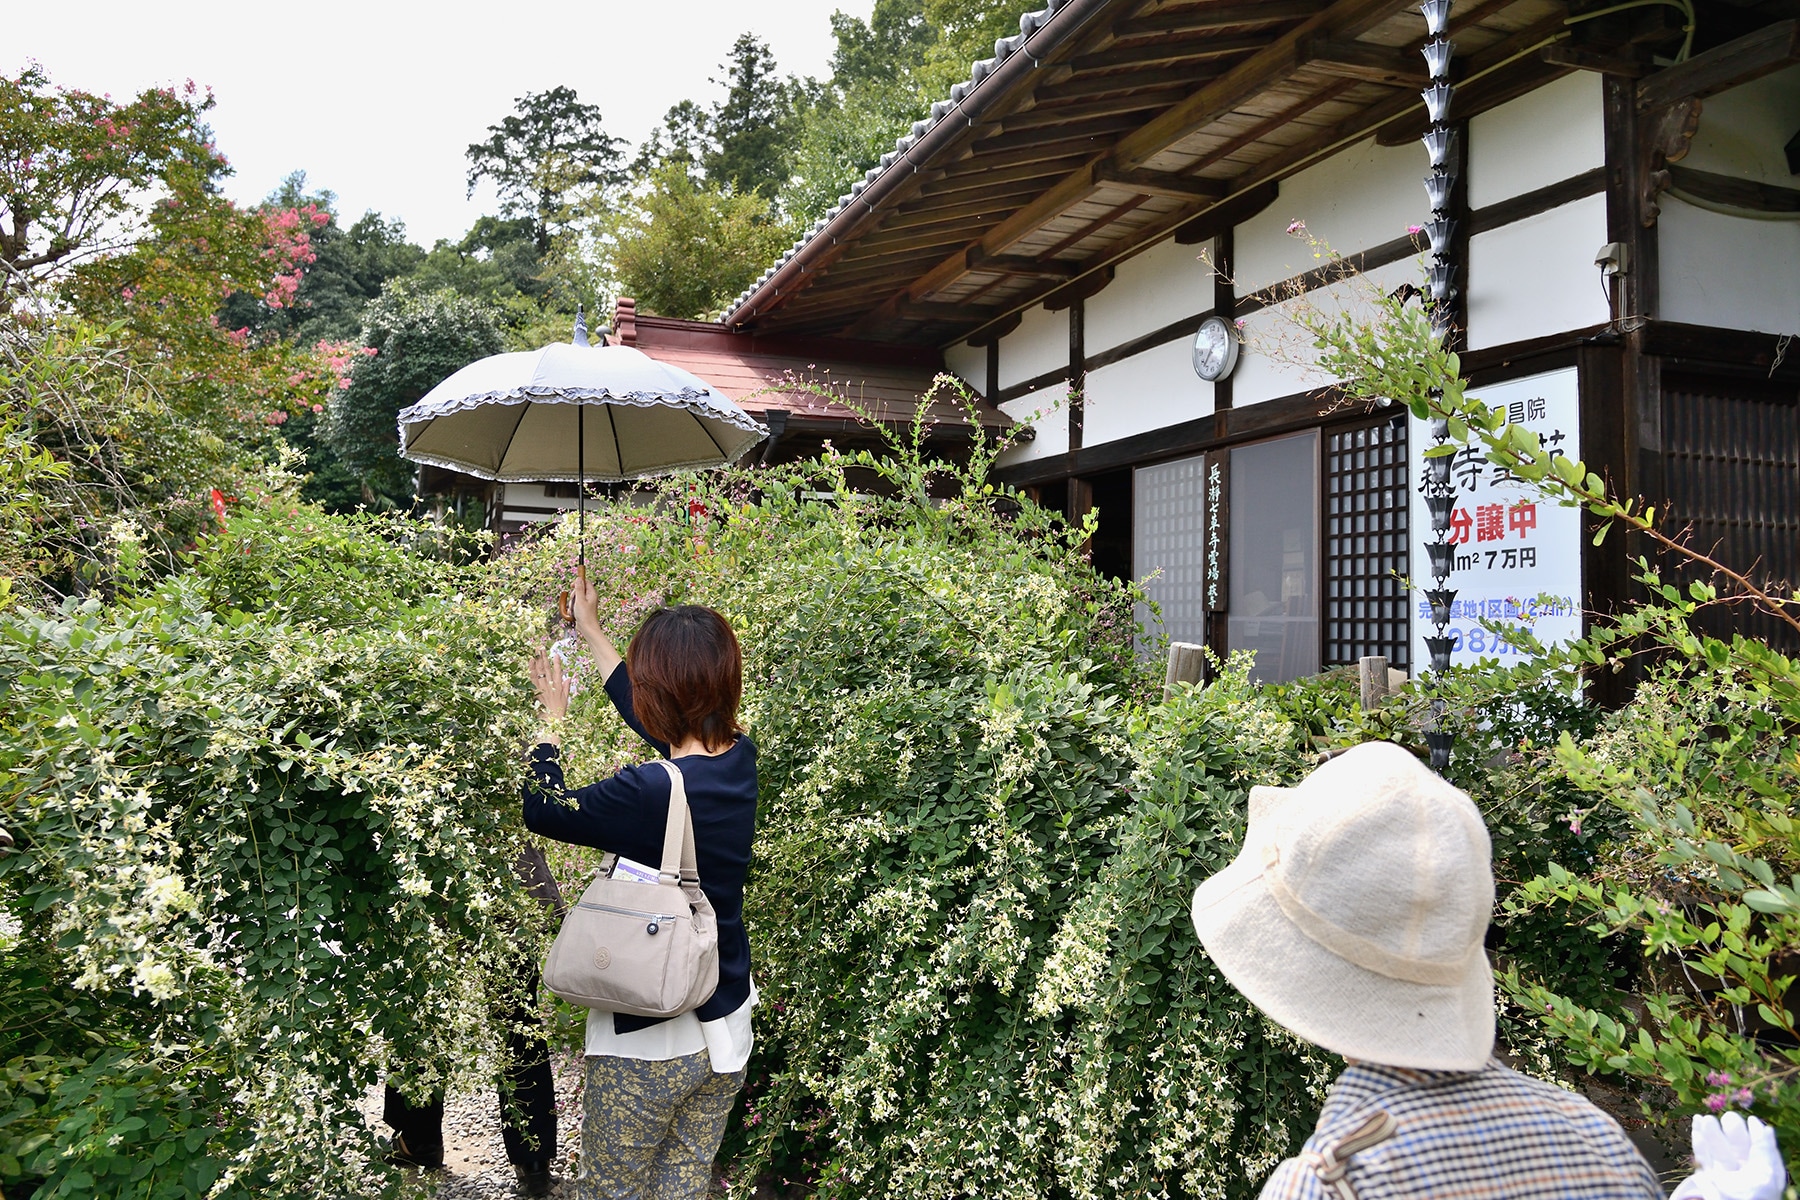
x=627, y=814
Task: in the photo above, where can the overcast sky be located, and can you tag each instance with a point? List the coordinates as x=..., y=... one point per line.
x=377, y=100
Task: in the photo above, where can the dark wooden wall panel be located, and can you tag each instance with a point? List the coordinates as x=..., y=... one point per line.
x=1731, y=474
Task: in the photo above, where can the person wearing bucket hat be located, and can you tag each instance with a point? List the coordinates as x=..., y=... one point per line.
x=1354, y=915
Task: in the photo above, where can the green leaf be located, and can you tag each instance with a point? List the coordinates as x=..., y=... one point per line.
x=1764, y=900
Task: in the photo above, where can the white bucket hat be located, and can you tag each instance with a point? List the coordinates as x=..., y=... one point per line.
x=1354, y=914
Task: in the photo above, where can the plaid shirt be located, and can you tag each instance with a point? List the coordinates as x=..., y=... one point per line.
x=1462, y=1135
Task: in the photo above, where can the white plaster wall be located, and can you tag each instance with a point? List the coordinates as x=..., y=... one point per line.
x=1537, y=276
x=1742, y=131
x=1146, y=391
x=1543, y=137
x=1165, y=283
x=1039, y=344
x=1052, y=424
x=1361, y=197
x=968, y=361
x=1728, y=271
x=1276, y=356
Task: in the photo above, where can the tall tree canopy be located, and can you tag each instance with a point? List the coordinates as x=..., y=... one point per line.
x=419, y=339
x=348, y=269
x=872, y=96
x=550, y=145
x=751, y=129
x=79, y=174
x=685, y=247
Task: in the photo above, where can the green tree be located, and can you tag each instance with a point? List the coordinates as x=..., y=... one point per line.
x=419, y=339
x=118, y=251
x=551, y=145
x=80, y=175
x=684, y=248
x=348, y=270
x=752, y=128
x=966, y=31
x=497, y=261
x=847, y=124
x=685, y=136
x=892, y=42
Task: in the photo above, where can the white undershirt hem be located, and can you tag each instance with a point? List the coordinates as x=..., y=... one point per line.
x=728, y=1039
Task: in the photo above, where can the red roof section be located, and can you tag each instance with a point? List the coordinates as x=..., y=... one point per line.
x=808, y=378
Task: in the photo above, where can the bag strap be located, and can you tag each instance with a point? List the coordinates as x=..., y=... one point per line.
x=1332, y=1161
x=678, y=866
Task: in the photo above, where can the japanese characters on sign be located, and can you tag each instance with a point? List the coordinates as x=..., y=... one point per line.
x=1215, y=551
x=1518, y=556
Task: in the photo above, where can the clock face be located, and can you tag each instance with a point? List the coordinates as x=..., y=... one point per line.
x=1215, y=349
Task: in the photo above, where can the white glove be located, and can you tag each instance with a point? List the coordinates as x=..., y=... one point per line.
x=1738, y=1160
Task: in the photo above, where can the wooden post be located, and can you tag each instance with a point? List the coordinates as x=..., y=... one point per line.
x=1186, y=662
x=1081, y=502
x=1372, y=674
x=1077, y=373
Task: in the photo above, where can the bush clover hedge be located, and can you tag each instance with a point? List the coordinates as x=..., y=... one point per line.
x=979, y=835
x=265, y=820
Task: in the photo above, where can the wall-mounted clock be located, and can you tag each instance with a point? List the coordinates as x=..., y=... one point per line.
x=1215, y=349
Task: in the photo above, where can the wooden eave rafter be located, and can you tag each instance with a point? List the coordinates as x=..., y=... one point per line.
x=1213, y=17
x=1737, y=61
x=1282, y=84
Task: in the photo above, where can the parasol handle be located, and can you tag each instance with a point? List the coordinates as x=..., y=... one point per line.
x=565, y=602
x=563, y=605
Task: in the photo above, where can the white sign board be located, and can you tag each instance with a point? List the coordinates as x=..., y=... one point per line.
x=1513, y=547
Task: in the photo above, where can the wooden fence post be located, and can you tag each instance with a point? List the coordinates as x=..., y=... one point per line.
x=1186, y=663
x=1372, y=674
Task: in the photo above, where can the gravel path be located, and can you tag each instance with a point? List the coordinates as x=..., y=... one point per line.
x=475, y=1165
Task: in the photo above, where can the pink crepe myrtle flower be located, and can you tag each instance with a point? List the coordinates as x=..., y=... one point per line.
x=1296, y=227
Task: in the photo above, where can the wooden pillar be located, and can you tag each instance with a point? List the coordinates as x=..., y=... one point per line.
x=1372, y=681
x=1081, y=502
x=993, y=371
x=1225, y=305
x=1605, y=569
x=1631, y=221
x=1077, y=373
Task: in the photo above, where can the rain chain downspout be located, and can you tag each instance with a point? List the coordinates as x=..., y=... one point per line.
x=1440, y=493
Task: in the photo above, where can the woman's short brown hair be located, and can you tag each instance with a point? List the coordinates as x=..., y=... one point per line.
x=687, y=676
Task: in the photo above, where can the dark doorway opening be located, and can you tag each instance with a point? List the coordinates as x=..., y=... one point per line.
x=1111, y=547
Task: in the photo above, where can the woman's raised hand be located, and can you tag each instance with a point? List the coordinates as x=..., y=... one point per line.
x=551, y=684
x=584, y=600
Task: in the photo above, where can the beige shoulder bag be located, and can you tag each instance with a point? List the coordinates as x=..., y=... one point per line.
x=649, y=949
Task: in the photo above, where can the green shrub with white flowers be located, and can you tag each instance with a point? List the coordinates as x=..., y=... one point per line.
x=265, y=821
x=979, y=833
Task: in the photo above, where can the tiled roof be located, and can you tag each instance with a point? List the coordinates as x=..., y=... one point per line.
x=810, y=382
x=1105, y=127
x=896, y=159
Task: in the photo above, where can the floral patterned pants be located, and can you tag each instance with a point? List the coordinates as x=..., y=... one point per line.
x=650, y=1130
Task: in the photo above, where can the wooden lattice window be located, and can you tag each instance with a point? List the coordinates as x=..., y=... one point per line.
x=1366, y=543
x=1731, y=457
